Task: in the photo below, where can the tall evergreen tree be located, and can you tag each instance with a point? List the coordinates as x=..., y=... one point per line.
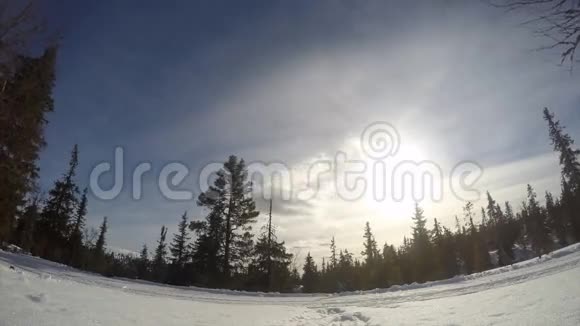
x=370, y=245
x=179, y=245
x=568, y=156
x=570, y=168
x=179, y=249
x=229, y=200
x=54, y=225
x=421, y=247
x=25, y=99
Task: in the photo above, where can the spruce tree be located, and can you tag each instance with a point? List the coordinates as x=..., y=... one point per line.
x=207, y=249
x=310, y=275
x=75, y=241
x=568, y=156
x=99, y=251
x=101, y=241
x=271, y=265
x=556, y=219
x=159, y=263
x=474, y=249
x=24, y=233
x=25, y=99
x=570, y=164
x=536, y=225
x=179, y=244
x=54, y=225
x=333, y=257
x=421, y=247
x=143, y=263
x=370, y=245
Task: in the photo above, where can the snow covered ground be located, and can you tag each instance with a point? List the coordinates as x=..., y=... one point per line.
x=535, y=292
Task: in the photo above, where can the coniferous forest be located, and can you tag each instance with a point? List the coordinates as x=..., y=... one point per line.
x=225, y=248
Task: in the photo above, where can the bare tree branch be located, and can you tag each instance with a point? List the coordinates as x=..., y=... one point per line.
x=557, y=20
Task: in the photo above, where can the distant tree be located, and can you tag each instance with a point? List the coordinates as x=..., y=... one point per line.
x=75, y=241
x=179, y=244
x=159, y=262
x=310, y=275
x=536, y=225
x=59, y=210
x=99, y=251
x=143, y=264
x=421, y=249
x=370, y=245
x=474, y=249
x=179, y=249
x=333, y=257
x=555, y=219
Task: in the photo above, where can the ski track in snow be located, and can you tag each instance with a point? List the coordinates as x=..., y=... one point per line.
x=535, y=292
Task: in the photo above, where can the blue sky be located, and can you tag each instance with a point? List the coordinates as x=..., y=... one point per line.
x=289, y=81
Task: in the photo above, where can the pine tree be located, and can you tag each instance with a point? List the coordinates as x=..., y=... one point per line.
x=421, y=247
x=159, y=263
x=143, y=263
x=207, y=249
x=537, y=227
x=75, y=241
x=271, y=265
x=556, y=219
x=570, y=169
x=25, y=99
x=310, y=275
x=568, y=156
x=24, y=233
x=370, y=245
x=333, y=257
x=229, y=201
x=99, y=251
x=53, y=228
x=178, y=246
x=473, y=249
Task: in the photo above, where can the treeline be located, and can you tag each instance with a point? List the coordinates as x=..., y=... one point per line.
x=437, y=252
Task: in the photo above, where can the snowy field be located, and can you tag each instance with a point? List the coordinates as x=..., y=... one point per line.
x=535, y=292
